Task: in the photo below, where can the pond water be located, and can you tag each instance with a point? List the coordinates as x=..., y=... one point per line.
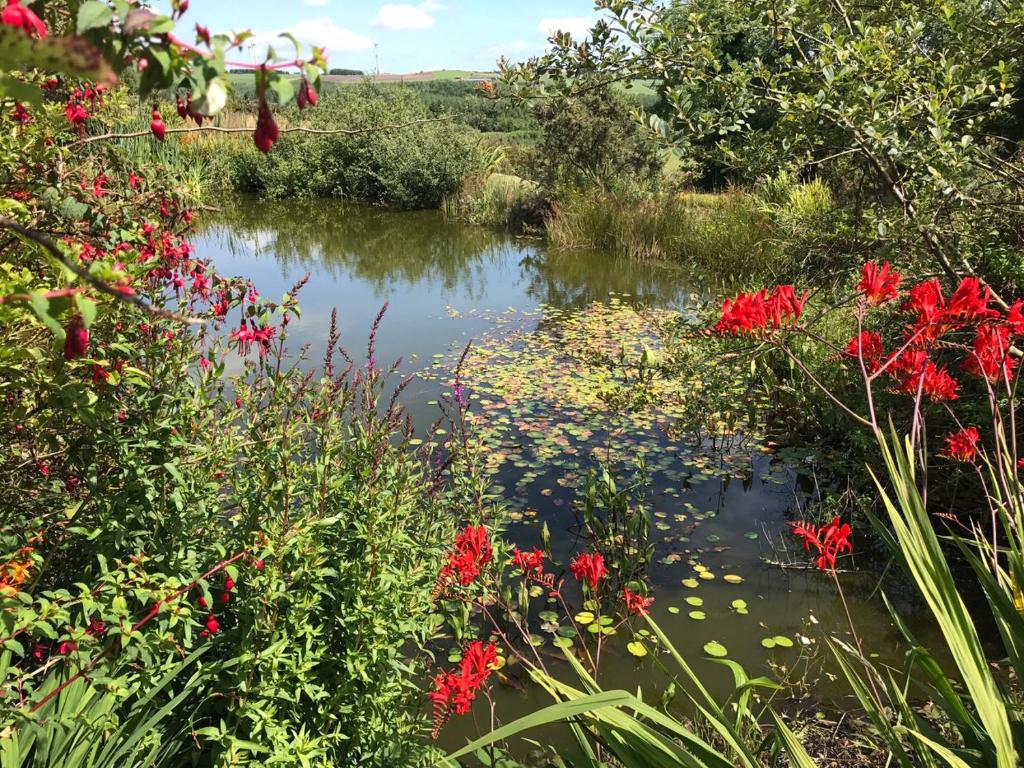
x=539, y=321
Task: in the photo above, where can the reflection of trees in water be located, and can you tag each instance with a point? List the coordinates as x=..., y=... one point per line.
x=375, y=245
x=383, y=247
x=575, y=279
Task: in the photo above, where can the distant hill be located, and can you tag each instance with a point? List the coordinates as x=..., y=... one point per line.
x=412, y=77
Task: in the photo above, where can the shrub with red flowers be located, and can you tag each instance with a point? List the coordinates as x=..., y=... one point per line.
x=157, y=511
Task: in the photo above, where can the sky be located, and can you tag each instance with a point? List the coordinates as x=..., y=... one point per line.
x=407, y=37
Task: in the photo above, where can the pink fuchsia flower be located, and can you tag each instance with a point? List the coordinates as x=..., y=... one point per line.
x=156, y=125
x=23, y=18
x=76, y=339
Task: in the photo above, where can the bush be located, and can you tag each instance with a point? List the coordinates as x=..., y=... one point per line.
x=725, y=232
x=399, y=159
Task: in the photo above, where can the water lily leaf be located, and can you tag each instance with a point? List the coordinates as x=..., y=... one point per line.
x=584, y=617
x=733, y=578
x=562, y=642
x=691, y=583
x=697, y=615
x=768, y=642
x=672, y=609
x=716, y=649
x=637, y=648
x=696, y=602
x=782, y=641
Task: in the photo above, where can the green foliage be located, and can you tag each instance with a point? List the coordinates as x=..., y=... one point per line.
x=395, y=156
x=593, y=140
x=911, y=110
x=726, y=233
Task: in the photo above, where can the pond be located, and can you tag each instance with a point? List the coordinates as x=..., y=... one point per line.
x=719, y=502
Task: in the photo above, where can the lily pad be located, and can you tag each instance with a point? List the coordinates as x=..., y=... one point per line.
x=698, y=615
x=691, y=583
x=585, y=617
x=716, y=649
x=637, y=648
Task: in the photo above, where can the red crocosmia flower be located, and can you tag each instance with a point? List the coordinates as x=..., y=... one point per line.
x=472, y=551
x=1015, y=318
x=23, y=18
x=828, y=541
x=455, y=690
x=990, y=358
x=528, y=562
x=878, y=284
x=969, y=303
x=589, y=569
x=869, y=346
x=636, y=604
x=266, y=129
x=76, y=340
x=938, y=385
x=907, y=368
x=752, y=313
x=962, y=445
x=157, y=126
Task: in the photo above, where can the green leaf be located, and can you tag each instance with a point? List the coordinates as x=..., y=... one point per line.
x=87, y=308
x=94, y=14
x=70, y=55
x=716, y=649
x=637, y=648
x=41, y=306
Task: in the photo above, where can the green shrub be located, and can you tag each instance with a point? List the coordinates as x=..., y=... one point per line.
x=724, y=232
x=399, y=159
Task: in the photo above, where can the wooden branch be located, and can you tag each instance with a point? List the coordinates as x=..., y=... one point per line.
x=94, y=281
x=297, y=129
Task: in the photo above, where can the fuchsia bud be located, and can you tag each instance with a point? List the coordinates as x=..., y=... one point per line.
x=157, y=126
x=202, y=34
x=266, y=129
x=76, y=342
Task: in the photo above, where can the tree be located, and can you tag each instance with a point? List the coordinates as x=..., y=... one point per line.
x=917, y=103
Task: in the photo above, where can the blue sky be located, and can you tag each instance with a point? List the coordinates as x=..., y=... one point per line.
x=410, y=37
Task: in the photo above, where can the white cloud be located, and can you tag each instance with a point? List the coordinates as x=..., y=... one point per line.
x=511, y=50
x=316, y=3
x=393, y=17
x=577, y=26
x=432, y=6
x=321, y=32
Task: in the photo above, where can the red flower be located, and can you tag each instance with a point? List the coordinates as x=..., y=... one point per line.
x=991, y=357
x=212, y=626
x=67, y=647
x=878, y=284
x=455, y=690
x=76, y=339
x=472, y=551
x=869, y=346
x=306, y=95
x=828, y=540
x=22, y=18
x=1015, y=318
x=636, y=604
x=589, y=569
x=938, y=385
x=970, y=302
x=266, y=129
x=20, y=115
x=528, y=561
x=202, y=34
x=962, y=445
x=751, y=313
x=157, y=126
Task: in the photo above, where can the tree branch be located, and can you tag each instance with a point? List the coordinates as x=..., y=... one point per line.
x=94, y=281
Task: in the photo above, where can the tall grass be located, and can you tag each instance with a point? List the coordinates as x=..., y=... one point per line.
x=725, y=231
